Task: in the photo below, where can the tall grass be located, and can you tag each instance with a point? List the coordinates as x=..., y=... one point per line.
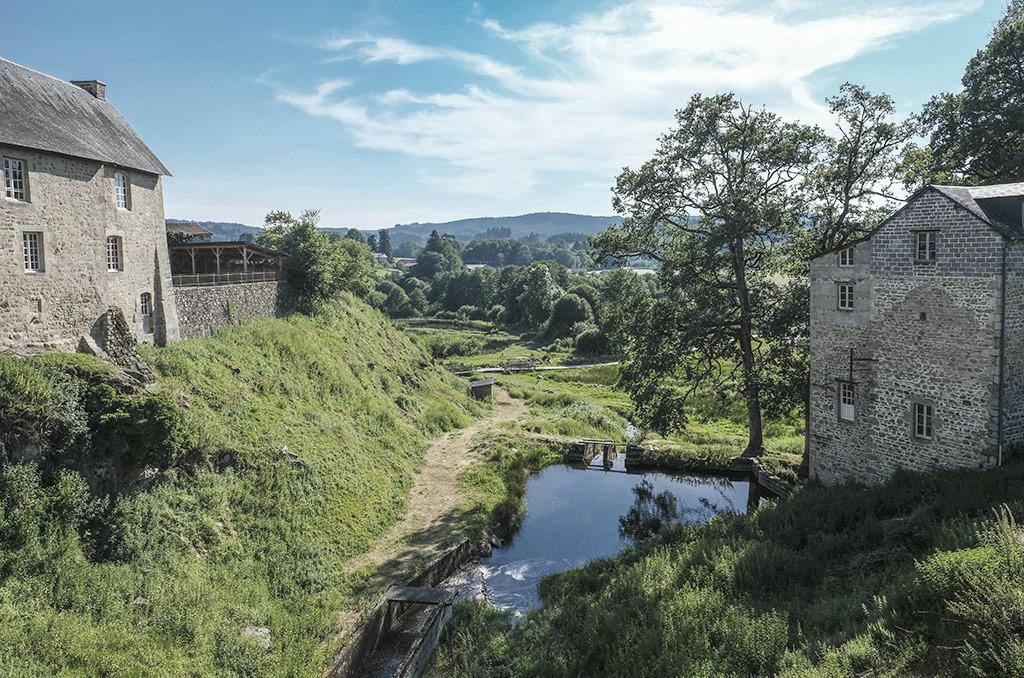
x=304, y=434
x=920, y=577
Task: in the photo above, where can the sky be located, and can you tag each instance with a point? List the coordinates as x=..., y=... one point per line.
x=382, y=112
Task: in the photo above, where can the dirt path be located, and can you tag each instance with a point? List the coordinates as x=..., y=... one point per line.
x=432, y=514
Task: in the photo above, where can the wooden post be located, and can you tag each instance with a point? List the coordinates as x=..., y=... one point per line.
x=216, y=253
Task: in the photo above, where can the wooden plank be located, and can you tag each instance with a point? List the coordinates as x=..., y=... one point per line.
x=421, y=595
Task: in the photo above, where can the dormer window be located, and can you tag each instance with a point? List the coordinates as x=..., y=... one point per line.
x=925, y=246
x=122, y=193
x=846, y=257
x=15, y=181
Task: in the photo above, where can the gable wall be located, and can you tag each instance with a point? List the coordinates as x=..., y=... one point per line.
x=948, y=359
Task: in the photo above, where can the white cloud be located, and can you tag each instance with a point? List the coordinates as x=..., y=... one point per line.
x=592, y=95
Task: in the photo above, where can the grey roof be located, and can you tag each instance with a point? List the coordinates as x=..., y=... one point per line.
x=968, y=197
x=188, y=228
x=481, y=382
x=41, y=112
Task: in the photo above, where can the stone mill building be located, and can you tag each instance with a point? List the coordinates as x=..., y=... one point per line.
x=81, y=216
x=917, y=339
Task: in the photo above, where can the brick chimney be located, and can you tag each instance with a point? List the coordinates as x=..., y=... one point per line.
x=96, y=88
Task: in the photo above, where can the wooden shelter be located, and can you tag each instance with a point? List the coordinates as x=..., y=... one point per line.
x=223, y=263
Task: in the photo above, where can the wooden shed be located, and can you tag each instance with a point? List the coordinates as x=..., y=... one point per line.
x=481, y=388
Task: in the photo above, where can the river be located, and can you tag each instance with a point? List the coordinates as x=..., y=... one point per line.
x=575, y=515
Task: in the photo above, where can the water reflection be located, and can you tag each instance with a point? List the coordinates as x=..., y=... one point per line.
x=574, y=516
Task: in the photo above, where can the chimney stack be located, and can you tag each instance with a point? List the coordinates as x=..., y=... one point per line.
x=94, y=87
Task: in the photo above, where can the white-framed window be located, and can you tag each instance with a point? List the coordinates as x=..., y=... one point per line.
x=844, y=296
x=115, y=260
x=847, y=401
x=924, y=421
x=146, y=311
x=925, y=245
x=15, y=180
x=846, y=257
x=122, y=192
x=32, y=246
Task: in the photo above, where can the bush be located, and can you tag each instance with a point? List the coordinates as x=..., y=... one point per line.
x=567, y=312
x=592, y=342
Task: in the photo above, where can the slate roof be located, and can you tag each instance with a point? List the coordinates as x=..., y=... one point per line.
x=968, y=197
x=41, y=112
x=190, y=229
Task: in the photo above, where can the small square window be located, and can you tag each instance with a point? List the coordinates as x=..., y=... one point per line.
x=926, y=242
x=122, y=192
x=32, y=248
x=846, y=257
x=15, y=180
x=844, y=292
x=115, y=260
x=847, y=401
x=924, y=421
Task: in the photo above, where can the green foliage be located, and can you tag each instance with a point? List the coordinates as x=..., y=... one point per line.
x=318, y=269
x=303, y=435
x=569, y=311
x=592, y=342
x=919, y=577
x=977, y=134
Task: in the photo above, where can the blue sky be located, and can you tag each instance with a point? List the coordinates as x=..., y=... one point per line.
x=388, y=112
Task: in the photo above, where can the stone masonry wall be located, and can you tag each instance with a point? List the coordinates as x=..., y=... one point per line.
x=71, y=202
x=202, y=310
x=931, y=335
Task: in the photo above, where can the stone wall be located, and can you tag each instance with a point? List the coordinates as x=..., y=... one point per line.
x=71, y=202
x=202, y=310
x=923, y=332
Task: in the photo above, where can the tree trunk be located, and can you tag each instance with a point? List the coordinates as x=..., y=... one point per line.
x=751, y=388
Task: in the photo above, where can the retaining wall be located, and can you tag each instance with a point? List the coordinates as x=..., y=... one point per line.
x=202, y=310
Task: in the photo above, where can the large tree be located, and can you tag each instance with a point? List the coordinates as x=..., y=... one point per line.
x=976, y=135
x=853, y=183
x=715, y=205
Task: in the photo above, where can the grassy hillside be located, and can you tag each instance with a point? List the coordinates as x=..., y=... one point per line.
x=920, y=577
x=273, y=452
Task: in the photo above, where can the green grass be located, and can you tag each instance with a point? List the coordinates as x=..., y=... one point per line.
x=919, y=577
x=298, y=441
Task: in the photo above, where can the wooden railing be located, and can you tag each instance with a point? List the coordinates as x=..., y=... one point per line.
x=204, y=279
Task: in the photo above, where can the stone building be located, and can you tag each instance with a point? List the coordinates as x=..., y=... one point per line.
x=917, y=339
x=188, y=232
x=81, y=216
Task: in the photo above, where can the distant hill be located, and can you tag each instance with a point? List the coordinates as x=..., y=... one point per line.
x=544, y=224
x=222, y=230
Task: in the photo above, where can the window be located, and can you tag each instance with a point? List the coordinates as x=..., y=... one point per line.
x=114, y=258
x=15, y=185
x=924, y=421
x=845, y=292
x=121, y=191
x=846, y=257
x=926, y=246
x=847, y=401
x=32, y=245
x=146, y=311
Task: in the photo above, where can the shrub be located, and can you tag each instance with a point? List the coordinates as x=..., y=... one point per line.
x=592, y=342
x=567, y=312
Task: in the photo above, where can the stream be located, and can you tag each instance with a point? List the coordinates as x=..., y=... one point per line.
x=575, y=515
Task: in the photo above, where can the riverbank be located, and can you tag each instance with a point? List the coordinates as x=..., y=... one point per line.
x=921, y=576
x=204, y=525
